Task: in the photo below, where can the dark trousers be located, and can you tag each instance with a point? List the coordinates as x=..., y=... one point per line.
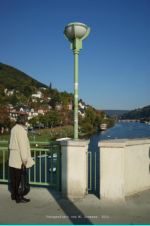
x=15, y=178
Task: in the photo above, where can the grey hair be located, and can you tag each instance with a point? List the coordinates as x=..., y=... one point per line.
x=21, y=119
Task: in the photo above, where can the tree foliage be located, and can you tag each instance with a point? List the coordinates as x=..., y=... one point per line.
x=90, y=115
x=137, y=113
x=4, y=116
x=12, y=78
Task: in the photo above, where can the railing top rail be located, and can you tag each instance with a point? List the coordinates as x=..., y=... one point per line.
x=4, y=142
x=34, y=142
x=41, y=142
x=40, y=149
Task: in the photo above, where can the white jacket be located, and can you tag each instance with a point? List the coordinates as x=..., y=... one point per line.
x=19, y=148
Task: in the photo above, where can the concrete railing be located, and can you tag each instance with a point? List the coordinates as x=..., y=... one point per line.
x=124, y=167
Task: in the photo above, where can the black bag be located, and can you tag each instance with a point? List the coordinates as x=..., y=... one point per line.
x=24, y=186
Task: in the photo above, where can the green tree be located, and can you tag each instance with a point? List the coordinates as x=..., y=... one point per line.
x=22, y=98
x=103, y=114
x=87, y=120
x=97, y=121
x=38, y=103
x=52, y=104
x=27, y=91
x=50, y=88
x=14, y=100
x=4, y=116
x=45, y=102
x=33, y=121
x=57, y=118
x=40, y=119
x=2, y=90
x=65, y=102
x=2, y=99
x=53, y=118
x=90, y=113
x=33, y=82
x=70, y=116
x=45, y=120
x=87, y=127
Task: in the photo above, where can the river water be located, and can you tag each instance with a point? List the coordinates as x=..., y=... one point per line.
x=119, y=131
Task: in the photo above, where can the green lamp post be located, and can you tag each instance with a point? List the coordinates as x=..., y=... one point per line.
x=76, y=33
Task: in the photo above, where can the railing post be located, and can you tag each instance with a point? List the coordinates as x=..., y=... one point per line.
x=58, y=167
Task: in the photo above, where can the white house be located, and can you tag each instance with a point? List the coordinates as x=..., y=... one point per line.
x=40, y=110
x=81, y=111
x=45, y=98
x=37, y=94
x=34, y=100
x=82, y=105
x=82, y=108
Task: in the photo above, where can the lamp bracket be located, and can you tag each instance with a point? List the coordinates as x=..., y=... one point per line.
x=76, y=44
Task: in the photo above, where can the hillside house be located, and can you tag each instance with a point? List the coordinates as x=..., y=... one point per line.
x=70, y=105
x=10, y=91
x=37, y=94
x=82, y=105
x=23, y=108
x=82, y=108
x=14, y=115
x=9, y=106
x=81, y=111
x=34, y=99
x=45, y=98
x=47, y=105
x=43, y=88
x=58, y=106
x=40, y=110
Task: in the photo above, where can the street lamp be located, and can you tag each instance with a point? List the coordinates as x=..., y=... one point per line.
x=76, y=33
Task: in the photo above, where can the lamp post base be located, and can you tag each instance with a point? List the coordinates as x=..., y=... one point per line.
x=76, y=139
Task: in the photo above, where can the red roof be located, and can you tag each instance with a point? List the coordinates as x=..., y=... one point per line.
x=45, y=98
x=40, y=108
x=21, y=112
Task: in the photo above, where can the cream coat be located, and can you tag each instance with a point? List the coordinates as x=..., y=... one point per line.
x=19, y=148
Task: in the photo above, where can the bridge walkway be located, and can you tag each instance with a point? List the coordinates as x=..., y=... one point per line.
x=48, y=207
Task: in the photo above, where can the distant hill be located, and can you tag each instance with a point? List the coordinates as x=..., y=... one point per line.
x=12, y=78
x=115, y=113
x=137, y=113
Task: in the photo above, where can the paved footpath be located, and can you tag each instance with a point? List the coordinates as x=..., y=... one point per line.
x=48, y=207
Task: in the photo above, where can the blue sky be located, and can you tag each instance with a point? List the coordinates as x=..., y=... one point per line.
x=114, y=64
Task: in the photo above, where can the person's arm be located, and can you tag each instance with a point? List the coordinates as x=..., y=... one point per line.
x=22, y=142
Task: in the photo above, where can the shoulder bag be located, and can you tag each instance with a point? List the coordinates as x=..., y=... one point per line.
x=24, y=186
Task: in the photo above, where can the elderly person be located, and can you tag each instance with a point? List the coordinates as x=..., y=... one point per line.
x=19, y=154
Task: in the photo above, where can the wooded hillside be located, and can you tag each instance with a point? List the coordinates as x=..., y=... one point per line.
x=137, y=113
x=12, y=78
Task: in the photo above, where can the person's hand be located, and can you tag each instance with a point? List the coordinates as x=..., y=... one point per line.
x=24, y=163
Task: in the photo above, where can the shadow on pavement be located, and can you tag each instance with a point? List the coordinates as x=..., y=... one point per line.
x=67, y=205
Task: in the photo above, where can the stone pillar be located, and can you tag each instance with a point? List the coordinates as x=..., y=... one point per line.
x=74, y=173
x=111, y=170
x=124, y=167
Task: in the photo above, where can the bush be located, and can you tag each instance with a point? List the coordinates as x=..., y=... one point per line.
x=109, y=122
x=87, y=127
x=81, y=124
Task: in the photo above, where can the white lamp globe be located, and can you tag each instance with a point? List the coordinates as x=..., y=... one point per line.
x=80, y=30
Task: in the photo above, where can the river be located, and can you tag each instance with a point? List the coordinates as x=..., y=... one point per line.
x=120, y=130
